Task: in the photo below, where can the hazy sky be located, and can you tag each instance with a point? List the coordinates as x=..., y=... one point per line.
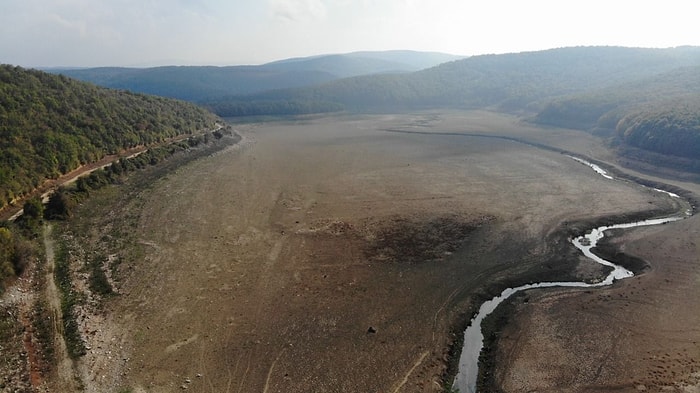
x=36, y=33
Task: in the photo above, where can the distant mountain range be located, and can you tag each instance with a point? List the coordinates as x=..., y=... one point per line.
x=199, y=83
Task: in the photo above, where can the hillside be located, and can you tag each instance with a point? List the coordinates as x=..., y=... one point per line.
x=661, y=133
x=513, y=82
x=365, y=63
x=50, y=125
x=199, y=83
x=671, y=127
x=659, y=115
x=601, y=109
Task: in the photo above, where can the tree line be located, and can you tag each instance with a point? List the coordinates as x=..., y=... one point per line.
x=672, y=128
x=51, y=125
x=659, y=114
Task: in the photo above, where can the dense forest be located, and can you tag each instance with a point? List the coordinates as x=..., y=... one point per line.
x=197, y=83
x=51, y=124
x=600, y=109
x=670, y=127
x=658, y=114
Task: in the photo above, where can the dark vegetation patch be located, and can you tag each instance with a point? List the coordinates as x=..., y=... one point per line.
x=411, y=241
x=671, y=128
x=492, y=327
x=17, y=238
x=608, y=250
x=17, y=242
x=70, y=298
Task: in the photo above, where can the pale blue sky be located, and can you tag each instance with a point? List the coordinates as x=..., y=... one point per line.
x=40, y=33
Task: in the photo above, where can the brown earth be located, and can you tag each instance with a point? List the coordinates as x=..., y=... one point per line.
x=330, y=255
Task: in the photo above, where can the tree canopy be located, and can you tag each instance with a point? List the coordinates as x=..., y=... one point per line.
x=671, y=128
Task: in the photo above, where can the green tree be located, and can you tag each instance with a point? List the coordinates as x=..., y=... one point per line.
x=59, y=206
x=33, y=209
x=30, y=221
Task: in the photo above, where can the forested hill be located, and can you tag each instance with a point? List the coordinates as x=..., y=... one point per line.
x=515, y=82
x=51, y=124
x=199, y=83
x=660, y=114
x=670, y=127
x=600, y=109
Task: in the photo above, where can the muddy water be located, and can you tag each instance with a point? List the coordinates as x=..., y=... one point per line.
x=465, y=381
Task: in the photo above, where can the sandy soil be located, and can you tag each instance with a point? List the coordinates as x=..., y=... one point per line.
x=331, y=255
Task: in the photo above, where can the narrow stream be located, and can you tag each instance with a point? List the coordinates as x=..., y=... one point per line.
x=465, y=381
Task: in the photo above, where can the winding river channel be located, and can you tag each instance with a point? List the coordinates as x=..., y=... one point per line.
x=465, y=381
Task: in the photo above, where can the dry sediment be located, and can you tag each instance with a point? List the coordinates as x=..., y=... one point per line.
x=329, y=255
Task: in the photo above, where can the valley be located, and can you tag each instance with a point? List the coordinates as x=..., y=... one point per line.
x=330, y=254
x=295, y=196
